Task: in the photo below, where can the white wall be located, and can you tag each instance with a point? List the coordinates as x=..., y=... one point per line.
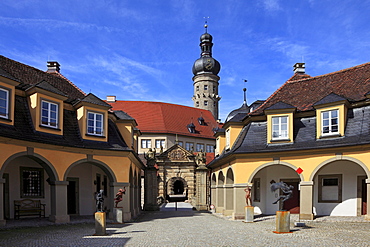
x=348, y=207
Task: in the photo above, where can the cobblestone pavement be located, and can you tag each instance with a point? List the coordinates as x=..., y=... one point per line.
x=190, y=228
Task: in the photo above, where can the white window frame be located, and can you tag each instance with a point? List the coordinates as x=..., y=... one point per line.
x=227, y=136
x=327, y=122
x=146, y=143
x=189, y=146
x=95, y=122
x=47, y=120
x=210, y=148
x=278, y=128
x=160, y=143
x=6, y=99
x=200, y=147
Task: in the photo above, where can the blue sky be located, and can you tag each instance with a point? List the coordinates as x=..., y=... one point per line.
x=145, y=50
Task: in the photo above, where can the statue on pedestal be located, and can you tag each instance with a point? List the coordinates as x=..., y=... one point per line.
x=248, y=201
x=99, y=197
x=150, y=157
x=200, y=158
x=286, y=189
x=119, y=195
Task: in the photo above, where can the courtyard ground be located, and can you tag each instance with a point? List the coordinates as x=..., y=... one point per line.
x=186, y=227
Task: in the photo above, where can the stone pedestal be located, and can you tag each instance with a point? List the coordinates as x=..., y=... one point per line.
x=201, y=188
x=249, y=214
x=100, y=224
x=118, y=215
x=151, y=189
x=282, y=222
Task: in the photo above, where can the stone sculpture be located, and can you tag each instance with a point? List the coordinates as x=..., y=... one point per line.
x=286, y=189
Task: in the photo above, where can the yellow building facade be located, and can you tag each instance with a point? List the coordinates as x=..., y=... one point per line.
x=60, y=146
x=312, y=133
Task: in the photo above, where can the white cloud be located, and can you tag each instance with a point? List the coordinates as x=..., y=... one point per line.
x=53, y=24
x=271, y=5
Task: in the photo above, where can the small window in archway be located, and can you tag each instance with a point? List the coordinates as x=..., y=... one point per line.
x=330, y=188
x=257, y=190
x=32, y=182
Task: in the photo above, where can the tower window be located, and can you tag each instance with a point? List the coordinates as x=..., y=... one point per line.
x=197, y=104
x=205, y=87
x=197, y=88
x=205, y=103
x=214, y=89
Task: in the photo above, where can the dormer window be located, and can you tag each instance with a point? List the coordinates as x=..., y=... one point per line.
x=4, y=103
x=49, y=114
x=280, y=127
x=201, y=121
x=95, y=124
x=191, y=128
x=330, y=122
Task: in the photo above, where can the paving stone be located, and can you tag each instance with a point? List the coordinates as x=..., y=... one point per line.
x=186, y=227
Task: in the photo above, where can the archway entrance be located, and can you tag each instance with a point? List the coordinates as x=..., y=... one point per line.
x=93, y=177
x=263, y=198
x=178, y=187
x=340, y=189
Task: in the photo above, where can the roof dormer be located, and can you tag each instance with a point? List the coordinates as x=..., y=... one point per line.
x=280, y=123
x=331, y=114
x=92, y=116
x=46, y=107
x=7, y=97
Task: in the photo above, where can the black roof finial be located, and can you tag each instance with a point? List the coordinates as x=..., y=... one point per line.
x=245, y=93
x=206, y=23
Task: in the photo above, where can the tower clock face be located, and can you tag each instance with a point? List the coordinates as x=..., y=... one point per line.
x=209, y=64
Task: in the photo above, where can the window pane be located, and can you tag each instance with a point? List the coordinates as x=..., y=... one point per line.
x=45, y=113
x=44, y=120
x=334, y=114
x=275, y=120
x=45, y=105
x=334, y=121
x=53, y=107
x=284, y=120
x=98, y=117
x=3, y=103
x=325, y=115
x=325, y=123
x=90, y=123
x=325, y=130
x=334, y=128
x=90, y=116
x=90, y=130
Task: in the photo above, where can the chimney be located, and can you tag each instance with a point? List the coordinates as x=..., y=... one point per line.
x=53, y=67
x=299, y=68
x=111, y=98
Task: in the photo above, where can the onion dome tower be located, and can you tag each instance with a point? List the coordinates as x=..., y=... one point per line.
x=205, y=70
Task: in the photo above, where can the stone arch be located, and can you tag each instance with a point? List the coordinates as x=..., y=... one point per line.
x=98, y=163
x=276, y=162
x=49, y=168
x=339, y=158
x=213, y=179
x=221, y=178
x=229, y=176
x=171, y=185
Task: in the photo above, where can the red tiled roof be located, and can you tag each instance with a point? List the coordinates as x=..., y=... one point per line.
x=32, y=76
x=352, y=83
x=158, y=117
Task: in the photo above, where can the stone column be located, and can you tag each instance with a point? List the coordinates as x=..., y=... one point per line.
x=125, y=203
x=228, y=199
x=220, y=199
x=150, y=189
x=306, y=201
x=201, y=188
x=213, y=195
x=2, y=220
x=367, y=216
x=239, y=201
x=59, y=213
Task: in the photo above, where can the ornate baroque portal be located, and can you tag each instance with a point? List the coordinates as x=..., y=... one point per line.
x=177, y=174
